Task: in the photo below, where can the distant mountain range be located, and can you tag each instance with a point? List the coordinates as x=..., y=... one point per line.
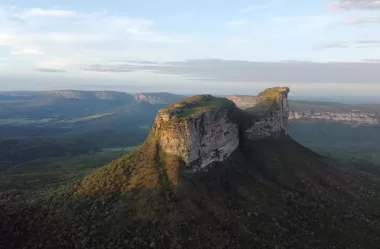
x=354, y=114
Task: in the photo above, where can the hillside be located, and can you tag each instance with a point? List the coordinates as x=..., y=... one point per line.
x=227, y=179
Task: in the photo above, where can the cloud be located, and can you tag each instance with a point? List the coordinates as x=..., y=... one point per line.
x=26, y=51
x=359, y=20
x=236, y=23
x=50, y=70
x=236, y=40
x=281, y=72
x=82, y=37
x=37, y=12
x=253, y=8
x=374, y=42
x=267, y=5
x=122, y=68
x=371, y=60
x=328, y=45
x=136, y=61
x=343, y=44
x=356, y=4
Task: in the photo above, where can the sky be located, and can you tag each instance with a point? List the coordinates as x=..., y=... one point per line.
x=316, y=47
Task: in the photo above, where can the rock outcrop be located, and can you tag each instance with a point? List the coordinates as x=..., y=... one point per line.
x=161, y=98
x=198, y=130
x=204, y=129
x=273, y=109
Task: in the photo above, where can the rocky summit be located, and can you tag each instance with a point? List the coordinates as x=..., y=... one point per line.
x=204, y=129
x=194, y=133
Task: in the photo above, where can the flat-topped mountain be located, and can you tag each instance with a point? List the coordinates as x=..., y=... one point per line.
x=158, y=98
x=70, y=94
x=211, y=175
x=201, y=130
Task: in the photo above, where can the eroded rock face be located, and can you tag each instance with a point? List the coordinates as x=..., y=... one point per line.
x=264, y=127
x=204, y=129
x=244, y=101
x=276, y=117
x=200, y=140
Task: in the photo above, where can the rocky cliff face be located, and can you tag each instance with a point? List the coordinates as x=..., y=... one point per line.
x=271, y=108
x=244, y=101
x=204, y=129
x=273, y=103
x=199, y=138
x=158, y=98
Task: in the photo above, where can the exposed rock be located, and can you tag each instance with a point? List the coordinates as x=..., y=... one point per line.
x=199, y=133
x=264, y=127
x=273, y=112
x=204, y=129
x=244, y=101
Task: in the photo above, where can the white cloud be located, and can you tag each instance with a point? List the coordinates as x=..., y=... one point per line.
x=331, y=44
x=27, y=51
x=356, y=4
x=83, y=37
x=55, y=63
x=268, y=4
x=37, y=12
x=361, y=20
x=252, y=8
x=236, y=23
x=236, y=40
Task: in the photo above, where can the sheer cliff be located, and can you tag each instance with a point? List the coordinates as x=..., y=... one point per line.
x=196, y=133
x=198, y=129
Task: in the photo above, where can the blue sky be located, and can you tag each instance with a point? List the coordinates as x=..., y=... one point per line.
x=315, y=47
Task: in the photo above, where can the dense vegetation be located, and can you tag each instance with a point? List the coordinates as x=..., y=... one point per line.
x=42, y=126
x=273, y=93
x=275, y=197
x=337, y=140
x=197, y=104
